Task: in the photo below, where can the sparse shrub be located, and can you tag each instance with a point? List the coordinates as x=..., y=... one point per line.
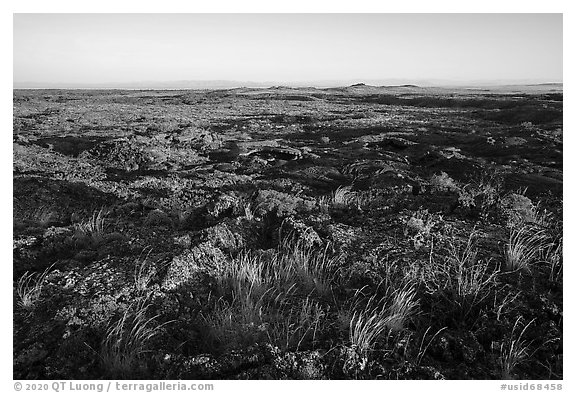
x=126, y=342
x=29, y=288
x=514, y=350
x=528, y=126
x=124, y=154
x=482, y=196
x=519, y=210
x=419, y=226
x=443, y=182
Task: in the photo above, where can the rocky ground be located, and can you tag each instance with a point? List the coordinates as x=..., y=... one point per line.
x=359, y=232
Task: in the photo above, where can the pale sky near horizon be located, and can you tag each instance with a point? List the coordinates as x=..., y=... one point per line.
x=119, y=48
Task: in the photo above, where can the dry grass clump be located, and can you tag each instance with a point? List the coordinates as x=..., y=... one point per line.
x=369, y=320
x=462, y=280
x=29, y=289
x=44, y=215
x=314, y=270
x=514, y=350
x=553, y=257
x=144, y=271
x=126, y=342
x=298, y=324
x=401, y=307
x=237, y=322
x=94, y=227
x=525, y=246
x=341, y=198
x=278, y=298
x=367, y=326
x=422, y=349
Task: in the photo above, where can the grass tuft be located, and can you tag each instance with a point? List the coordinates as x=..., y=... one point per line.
x=379, y=315
x=401, y=308
x=29, y=288
x=553, y=257
x=367, y=326
x=525, y=246
x=143, y=272
x=126, y=341
x=341, y=198
x=514, y=350
x=94, y=227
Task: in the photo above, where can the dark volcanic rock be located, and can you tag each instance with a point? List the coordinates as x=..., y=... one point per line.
x=123, y=154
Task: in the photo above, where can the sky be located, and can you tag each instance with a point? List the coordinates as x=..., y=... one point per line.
x=123, y=48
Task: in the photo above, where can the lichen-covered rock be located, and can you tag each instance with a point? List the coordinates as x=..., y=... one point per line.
x=232, y=235
x=281, y=204
x=297, y=230
x=301, y=365
x=225, y=205
x=341, y=235
x=25, y=251
x=192, y=266
x=233, y=364
x=198, y=139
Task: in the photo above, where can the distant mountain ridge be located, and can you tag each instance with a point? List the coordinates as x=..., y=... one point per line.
x=230, y=84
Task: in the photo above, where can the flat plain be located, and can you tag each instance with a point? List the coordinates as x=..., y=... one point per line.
x=288, y=233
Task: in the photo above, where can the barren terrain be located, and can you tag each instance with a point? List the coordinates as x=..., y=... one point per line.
x=356, y=232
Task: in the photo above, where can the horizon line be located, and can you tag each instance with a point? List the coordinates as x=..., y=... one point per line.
x=212, y=84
